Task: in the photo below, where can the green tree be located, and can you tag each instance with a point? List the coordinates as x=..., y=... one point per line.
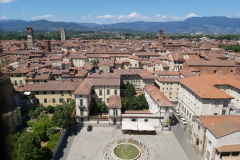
x=41, y=126
x=130, y=91
x=49, y=109
x=142, y=101
x=62, y=115
x=56, y=36
x=125, y=103
x=51, y=131
x=134, y=104
x=11, y=144
x=29, y=148
x=39, y=36
x=102, y=107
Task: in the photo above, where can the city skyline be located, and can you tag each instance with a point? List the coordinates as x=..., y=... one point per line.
x=108, y=12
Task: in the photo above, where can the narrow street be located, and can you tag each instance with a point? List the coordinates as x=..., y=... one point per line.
x=182, y=136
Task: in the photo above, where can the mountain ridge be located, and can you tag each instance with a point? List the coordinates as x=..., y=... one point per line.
x=216, y=24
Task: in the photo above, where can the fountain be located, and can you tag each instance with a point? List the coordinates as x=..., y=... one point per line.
x=126, y=151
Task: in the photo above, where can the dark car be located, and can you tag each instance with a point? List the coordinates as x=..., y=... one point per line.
x=89, y=128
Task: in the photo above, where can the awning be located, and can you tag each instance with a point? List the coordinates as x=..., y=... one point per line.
x=27, y=93
x=137, y=126
x=145, y=126
x=128, y=125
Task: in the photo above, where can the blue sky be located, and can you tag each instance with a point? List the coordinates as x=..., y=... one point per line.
x=113, y=11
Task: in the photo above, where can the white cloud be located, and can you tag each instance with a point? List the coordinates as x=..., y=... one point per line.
x=6, y=1
x=83, y=17
x=214, y=9
x=191, y=15
x=89, y=16
x=3, y=17
x=22, y=13
x=238, y=14
x=159, y=15
x=44, y=17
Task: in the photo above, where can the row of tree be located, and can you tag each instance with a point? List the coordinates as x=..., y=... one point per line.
x=236, y=48
x=130, y=102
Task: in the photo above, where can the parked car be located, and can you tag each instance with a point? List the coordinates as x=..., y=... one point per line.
x=183, y=121
x=177, y=113
x=89, y=128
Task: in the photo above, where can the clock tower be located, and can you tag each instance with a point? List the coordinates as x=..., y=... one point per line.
x=29, y=32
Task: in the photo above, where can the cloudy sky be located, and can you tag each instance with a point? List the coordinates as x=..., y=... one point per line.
x=113, y=11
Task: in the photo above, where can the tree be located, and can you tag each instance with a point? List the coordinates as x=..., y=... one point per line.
x=102, y=107
x=11, y=144
x=130, y=91
x=41, y=126
x=39, y=36
x=49, y=109
x=142, y=101
x=133, y=104
x=125, y=103
x=29, y=148
x=62, y=116
x=36, y=112
x=51, y=131
x=56, y=36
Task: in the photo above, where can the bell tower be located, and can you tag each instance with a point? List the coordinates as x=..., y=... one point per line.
x=29, y=32
x=160, y=40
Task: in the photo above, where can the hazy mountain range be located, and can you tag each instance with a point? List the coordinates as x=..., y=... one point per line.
x=190, y=25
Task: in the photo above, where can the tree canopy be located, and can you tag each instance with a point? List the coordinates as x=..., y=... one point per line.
x=62, y=115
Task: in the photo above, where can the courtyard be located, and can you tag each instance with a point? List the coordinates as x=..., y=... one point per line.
x=89, y=145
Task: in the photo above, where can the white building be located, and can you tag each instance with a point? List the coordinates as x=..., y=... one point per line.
x=222, y=141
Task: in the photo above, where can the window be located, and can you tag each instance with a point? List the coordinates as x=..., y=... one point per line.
x=225, y=102
x=100, y=92
x=53, y=100
x=92, y=91
x=53, y=92
x=37, y=81
x=81, y=111
x=167, y=89
x=26, y=81
x=34, y=81
x=209, y=142
x=81, y=102
x=44, y=92
x=238, y=93
x=237, y=102
x=216, y=103
x=170, y=88
x=45, y=81
x=115, y=92
x=145, y=120
x=107, y=100
x=163, y=89
x=20, y=82
x=108, y=91
x=61, y=92
x=100, y=99
x=208, y=155
x=60, y=100
x=115, y=112
x=215, y=113
x=36, y=92
x=45, y=100
x=134, y=120
x=199, y=128
x=69, y=92
x=37, y=101
x=224, y=112
x=68, y=100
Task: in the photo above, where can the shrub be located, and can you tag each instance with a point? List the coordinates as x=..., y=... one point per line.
x=49, y=109
x=52, y=141
x=51, y=131
x=30, y=124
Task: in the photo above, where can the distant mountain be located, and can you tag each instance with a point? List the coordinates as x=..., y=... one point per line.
x=20, y=25
x=191, y=25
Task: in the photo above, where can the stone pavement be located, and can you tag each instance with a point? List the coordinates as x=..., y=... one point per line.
x=90, y=145
x=183, y=139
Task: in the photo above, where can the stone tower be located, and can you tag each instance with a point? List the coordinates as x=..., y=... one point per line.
x=63, y=34
x=167, y=37
x=29, y=32
x=160, y=40
x=47, y=46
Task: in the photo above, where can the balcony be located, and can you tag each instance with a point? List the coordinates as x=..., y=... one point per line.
x=81, y=106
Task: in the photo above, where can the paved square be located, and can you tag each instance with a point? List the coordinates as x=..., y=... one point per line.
x=90, y=145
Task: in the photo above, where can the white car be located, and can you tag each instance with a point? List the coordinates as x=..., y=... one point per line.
x=177, y=113
x=183, y=121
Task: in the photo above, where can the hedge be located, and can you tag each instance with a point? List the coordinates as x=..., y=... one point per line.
x=52, y=141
